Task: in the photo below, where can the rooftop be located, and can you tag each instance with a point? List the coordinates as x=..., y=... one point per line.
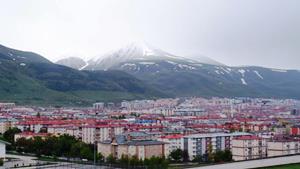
x=248, y=138
x=218, y=135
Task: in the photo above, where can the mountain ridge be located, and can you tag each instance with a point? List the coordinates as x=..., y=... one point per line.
x=29, y=78
x=144, y=73
x=182, y=76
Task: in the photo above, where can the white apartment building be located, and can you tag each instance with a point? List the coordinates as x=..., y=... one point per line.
x=248, y=147
x=98, y=133
x=283, y=147
x=200, y=144
x=163, y=111
x=186, y=111
x=174, y=142
x=75, y=131
x=98, y=106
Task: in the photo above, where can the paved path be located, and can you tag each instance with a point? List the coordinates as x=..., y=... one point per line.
x=68, y=166
x=20, y=161
x=255, y=163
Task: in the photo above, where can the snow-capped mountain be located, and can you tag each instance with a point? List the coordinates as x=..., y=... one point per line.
x=136, y=56
x=73, y=62
x=133, y=55
x=193, y=76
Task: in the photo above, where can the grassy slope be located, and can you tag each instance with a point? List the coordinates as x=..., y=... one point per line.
x=28, y=78
x=16, y=86
x=107, y=96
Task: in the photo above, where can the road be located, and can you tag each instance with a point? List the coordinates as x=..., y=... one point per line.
x=255, y=163
x=19, y=161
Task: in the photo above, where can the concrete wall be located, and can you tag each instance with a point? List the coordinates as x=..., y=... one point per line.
x=104, y=149
x=2, y=150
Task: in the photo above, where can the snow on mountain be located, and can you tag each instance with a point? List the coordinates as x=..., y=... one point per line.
x=243, y=81
x=242, y=71
x=205, y=60
x=279, y=70
x=73, y=62
x=135, y=52
x=258, y=74
x=142, y=59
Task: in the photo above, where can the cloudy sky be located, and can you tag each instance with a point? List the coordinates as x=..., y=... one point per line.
x=234, y=32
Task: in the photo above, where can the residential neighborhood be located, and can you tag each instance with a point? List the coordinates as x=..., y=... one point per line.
x=247, y=128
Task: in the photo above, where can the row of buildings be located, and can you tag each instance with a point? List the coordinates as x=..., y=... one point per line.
x=249, y=128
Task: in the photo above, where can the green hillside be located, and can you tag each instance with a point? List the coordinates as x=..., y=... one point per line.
x=25, y=79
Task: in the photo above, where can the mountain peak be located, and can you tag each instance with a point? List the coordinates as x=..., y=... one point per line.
x=135, y=51
x=73, y=62
x=143, y=47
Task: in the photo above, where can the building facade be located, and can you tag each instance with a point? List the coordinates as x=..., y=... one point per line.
x=248, y=147
x=283, y=147
x=200, y=144
x=142, y=149
x=91, y=134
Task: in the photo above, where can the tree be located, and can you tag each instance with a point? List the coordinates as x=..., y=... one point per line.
x=134, y=161
x=227, y=156
x=124, y=161
x=21, y=144
x=156, y=162
x=198, y=159
x=218, y=156
x=210, y=155
x=38, y=115
x=66, y=146
x=111, y=159
x=9, y=136
x=38, y=146
x=176, y=155
x=153, y=162
x=75, y=150
x=100, y=157
x=86, y=152
x=52, y=144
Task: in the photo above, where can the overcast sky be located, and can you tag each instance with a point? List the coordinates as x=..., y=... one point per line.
x=234, y=32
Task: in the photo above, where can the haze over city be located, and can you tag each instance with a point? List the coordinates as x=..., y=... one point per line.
x=262, y=33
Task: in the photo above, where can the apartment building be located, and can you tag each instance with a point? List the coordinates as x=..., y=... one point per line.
x=248, y=147
x=92, y=133
x=71, y=130
x=174, y=141
x=200, y=144
x=7, y=123
x=121, y=145
x=283, y=146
